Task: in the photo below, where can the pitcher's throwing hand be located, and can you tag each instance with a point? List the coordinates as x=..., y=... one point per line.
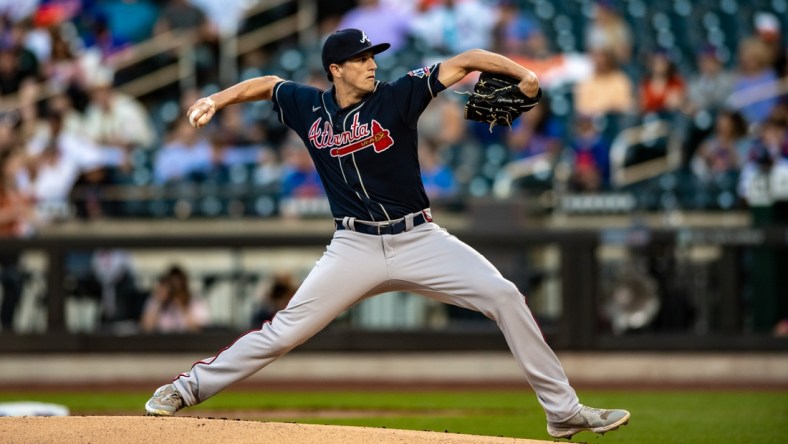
x=201, y=112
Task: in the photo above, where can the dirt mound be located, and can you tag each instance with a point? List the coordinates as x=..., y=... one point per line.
x=142, y=429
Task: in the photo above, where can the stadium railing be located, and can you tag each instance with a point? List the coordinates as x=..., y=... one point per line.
x=709, y=255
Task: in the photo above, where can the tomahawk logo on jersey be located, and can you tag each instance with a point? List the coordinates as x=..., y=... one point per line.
x=369, y=166
x=348, y=142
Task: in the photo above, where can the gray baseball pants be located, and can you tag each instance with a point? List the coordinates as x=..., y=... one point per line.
x=426, y=260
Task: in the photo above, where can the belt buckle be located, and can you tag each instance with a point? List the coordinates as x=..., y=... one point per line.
x=382, y=226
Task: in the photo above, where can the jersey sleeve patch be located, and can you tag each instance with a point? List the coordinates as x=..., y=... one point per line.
x=421, y=72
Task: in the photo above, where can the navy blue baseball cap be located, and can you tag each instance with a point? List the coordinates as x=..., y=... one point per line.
x=347, y=43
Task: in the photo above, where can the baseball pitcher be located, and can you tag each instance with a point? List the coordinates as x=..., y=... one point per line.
x=362, y=137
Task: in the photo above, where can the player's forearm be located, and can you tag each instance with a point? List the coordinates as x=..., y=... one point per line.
x=258, y=88
x=454, y=69
x=481, y=60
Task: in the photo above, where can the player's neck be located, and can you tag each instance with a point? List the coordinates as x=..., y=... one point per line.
x=346, y=97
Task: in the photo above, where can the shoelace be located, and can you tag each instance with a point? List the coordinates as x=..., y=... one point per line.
x=597, y=412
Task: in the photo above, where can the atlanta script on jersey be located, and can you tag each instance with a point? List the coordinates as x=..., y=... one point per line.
x=366, y=154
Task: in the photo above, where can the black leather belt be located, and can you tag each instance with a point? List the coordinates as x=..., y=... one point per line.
x=378, y=228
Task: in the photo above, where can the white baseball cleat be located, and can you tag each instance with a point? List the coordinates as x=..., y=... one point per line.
x=165, y=401
x=588, y=419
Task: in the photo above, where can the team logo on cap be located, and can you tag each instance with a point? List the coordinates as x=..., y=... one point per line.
x=364, y=38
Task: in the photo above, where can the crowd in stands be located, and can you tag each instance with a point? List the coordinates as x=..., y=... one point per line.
x=602, y=72
x=71, y=142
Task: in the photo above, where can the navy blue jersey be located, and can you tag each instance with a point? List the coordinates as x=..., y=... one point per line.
x=366, y=154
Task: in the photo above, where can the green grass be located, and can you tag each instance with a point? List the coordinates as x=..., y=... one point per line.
x=657, y=417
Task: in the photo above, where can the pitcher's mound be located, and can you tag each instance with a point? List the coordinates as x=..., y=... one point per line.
x=142, y=429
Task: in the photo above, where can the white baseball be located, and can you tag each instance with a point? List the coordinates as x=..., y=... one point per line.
x=193, y=117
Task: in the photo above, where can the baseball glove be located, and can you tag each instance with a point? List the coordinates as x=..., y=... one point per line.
x=497, y=100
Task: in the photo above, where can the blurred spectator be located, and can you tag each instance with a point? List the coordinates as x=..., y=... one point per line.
x=537, y=133
x=16, y=217
x=102, y=283
x=780, y=113
x=608, y=90
x=226, y=16
x=536, y=46
x=181, y=16
x=769, y=149
x=407, y=6
x=63, y=69
x=29, y=109
x=553, y=69
x=37, y=38
x=121, y=300
x=662, y=88
x=445, y=124
x=437, y=176
x=17, y=36
x=225, y=155
x=609, y=32
x=114, y=119
x=18, y=10
x=130, y=20
x=171, y=306
x=113, y=125
x=253, y=63
x=710, y=86
x=16, y=65
x=768, y=30
x=60, y=159
x=591, y=157
x=781, y=328
x=16, y=175
x=724, y=152
x=514, y=28
x=533, y=145
x=55, y=12
x=381, y=22
x=301, y=191
x=774, y=139
x=82, y=290
x=9, y=133
x=707, y=91
x=119, y=124
x=754, y=92
x=317, y=78
x=268, y=170
x=187, y=152
x=240, y=128
x=454, y=26
x=275, y=298
x=102, y=43
x=73, y=121
x=299, y=176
